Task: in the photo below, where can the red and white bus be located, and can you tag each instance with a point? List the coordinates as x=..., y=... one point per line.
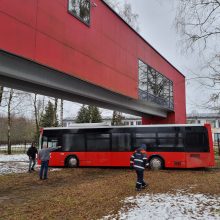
x=169, y=146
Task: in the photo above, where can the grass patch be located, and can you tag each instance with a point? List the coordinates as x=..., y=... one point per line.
x=90, y=193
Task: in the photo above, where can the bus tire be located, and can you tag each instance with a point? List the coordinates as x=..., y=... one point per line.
x=156, y=163
x=72, y=162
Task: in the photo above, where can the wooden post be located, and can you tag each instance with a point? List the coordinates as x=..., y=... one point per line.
x=25, y=145
x=218, y=147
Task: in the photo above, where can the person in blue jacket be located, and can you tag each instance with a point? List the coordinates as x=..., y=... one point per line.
x=44, y=156
x=138, y=161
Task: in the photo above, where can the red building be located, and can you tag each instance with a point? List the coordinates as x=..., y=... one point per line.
x=92, y=43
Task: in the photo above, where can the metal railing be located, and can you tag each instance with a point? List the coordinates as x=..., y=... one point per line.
x=144, y=95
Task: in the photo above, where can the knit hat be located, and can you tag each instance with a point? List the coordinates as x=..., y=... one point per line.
x=143, y=147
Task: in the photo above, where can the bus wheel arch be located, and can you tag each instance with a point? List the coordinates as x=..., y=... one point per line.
x=156, y=162
x=71, y=161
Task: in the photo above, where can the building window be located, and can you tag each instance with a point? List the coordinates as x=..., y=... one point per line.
x=218, y=123
x=155, y=87
x=216, y=138
x=191, y=121
x=80, y=9
x=138, y=123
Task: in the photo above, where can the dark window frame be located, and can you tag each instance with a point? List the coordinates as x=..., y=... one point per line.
x=181, y=135
x=201, y=138
x=154, y=140
x=124, y=133
x=98, y=138
x=82, y=148
x=164, y=99
x=78, y=17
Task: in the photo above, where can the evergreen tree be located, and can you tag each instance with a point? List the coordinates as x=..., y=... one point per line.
x=88, y=114
x=82, y=116
x=94, y=114
x=48, y=116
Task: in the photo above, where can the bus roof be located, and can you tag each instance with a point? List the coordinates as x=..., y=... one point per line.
x=139, y=126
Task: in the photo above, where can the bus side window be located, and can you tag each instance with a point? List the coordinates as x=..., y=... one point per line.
x=149, y=139
x=196, y=142
x=121, y=142
x=148, y=142
x=98, y=142
x=73, y=142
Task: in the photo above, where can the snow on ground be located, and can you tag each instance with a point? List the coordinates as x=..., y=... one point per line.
x=179, y=206
x=17, y=163
x=13, y=167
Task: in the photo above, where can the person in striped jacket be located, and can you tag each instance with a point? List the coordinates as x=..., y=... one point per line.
x=138, y=161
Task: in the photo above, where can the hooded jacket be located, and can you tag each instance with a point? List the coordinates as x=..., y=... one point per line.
x=138, y=160
x=32, y=151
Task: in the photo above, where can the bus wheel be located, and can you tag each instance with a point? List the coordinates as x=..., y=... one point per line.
x=156, y=163
x=71, y=162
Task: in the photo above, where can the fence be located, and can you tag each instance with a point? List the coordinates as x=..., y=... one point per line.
x=15, y=148
x=218, y=144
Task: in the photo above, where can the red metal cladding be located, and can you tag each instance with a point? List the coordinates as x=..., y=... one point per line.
x=117, y=159
x=211, y=146
x=106, y=53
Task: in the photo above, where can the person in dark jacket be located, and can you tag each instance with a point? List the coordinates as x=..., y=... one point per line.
x=32, y=152
x=138, y=161
x=44, y=156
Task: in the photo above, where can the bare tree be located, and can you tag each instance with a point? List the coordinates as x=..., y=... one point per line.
x=198, y=23
x=61, y=112
x=39, y=107
x=36, y=113
x=129, y=16
x=9, y=119
x=1, y=94
x=13, y=103
x=125, y=11
x=55, y=110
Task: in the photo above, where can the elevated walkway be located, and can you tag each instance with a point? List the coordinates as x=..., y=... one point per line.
x=23, y=74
